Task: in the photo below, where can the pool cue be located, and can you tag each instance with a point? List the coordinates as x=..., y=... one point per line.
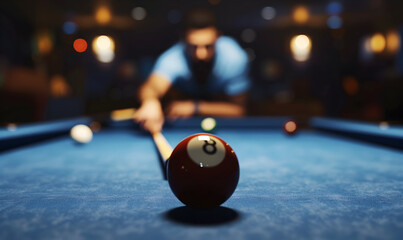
x=122, y=114
x=160, y=141
x=163, y=146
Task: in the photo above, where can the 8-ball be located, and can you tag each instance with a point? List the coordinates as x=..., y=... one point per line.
x=203, y=171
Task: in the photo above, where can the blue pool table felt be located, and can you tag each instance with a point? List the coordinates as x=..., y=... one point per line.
x=310, y=186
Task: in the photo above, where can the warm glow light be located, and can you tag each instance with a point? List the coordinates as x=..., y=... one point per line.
x=377, y=43
x=103, y=15
x=80, y=45
x=106, y=56
x=45, y=44
x=302, y=42
x=367, y=45
x=300, y=14
x=59, y=87
x=103, y=43
x=350, y=85
x=104, y=48
x=301, y=47
x=392, y=42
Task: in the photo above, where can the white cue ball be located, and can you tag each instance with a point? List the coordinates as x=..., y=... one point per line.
x=81, y=133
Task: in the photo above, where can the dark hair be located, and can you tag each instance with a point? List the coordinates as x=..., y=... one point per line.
x=197, y=19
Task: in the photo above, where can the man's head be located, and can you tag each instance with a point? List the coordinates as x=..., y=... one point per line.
x=200, y=35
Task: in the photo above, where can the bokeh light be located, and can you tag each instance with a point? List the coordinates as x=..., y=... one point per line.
x=334, y=22
x=268, y=13
x=127, y=70
x=104, y=48
x=367, y=45
x=103, y=15
x=102, y=43
x=271, y=70
x=139, y=13
x=248, y=35
x=350, y=85
x=301, y=47
x=59, y=87
x=106, y=56
x=69, y=27
x=80, y=45
x=44, y=42
x=300, y=14
x=393, y=42
x=251, y=53
x=377, y=43
x=365, y=53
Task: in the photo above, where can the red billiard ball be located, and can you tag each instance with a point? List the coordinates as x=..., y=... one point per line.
x=203, y=171
x=290, y=127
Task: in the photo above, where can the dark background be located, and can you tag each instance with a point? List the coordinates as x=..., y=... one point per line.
x=339, y=79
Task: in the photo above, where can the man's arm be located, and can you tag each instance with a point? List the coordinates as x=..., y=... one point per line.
x=154, y=87
x=150, y=115
x=232, y=106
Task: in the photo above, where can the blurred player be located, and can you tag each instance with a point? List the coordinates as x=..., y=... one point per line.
x=209, y=69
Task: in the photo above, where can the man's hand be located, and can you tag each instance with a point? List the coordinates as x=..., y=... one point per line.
x=150, y=116
x=181, y=109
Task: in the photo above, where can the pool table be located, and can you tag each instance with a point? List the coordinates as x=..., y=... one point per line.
x=316, y=184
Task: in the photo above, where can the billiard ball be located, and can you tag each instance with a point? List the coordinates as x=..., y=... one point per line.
x=95, y=126
x=203, y=171
x=12, y=127
x=208, y=124
x=81, y=133
x=290, y=127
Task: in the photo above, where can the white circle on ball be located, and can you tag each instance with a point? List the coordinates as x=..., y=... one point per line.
x=206, y=151
x=81, y=133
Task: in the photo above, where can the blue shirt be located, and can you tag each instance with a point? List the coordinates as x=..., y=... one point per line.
x=229, y=73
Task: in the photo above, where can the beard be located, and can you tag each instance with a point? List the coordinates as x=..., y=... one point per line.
x=202, y=70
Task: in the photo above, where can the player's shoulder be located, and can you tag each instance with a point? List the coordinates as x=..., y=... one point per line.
x=231, y=59
x=228, y=48
x=227, y=41
x=174, y=52
x=173, y=59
